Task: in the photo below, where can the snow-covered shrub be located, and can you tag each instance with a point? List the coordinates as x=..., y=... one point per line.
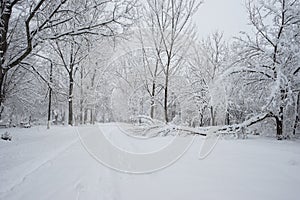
x=6, y=136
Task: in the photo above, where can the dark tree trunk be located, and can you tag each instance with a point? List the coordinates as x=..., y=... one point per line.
x=227, y=119
x=166, y=96
x=200, y=118
x=167, y=88
x=212, y=117
x=279, y=118
x=50, y=98
x=71, y=84
x=296, y=114
x=85, y=117
x=279, y=127
x=2, y=96
x=166, y=103
x=5, y=16
x=6, y=9
x=152, y=109
x=49, y=108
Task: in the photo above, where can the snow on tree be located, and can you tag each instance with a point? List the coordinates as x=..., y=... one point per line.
x=27, y=25
x=173, y=31
x=207, y=62
x=269, y=60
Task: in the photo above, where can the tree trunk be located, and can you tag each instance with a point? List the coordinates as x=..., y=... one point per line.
x=71, y=84
x=296, y=114
x=49, y=108
x=81, y=113
x=6, y=9
x=91, y=116
x=152, y=106
x=166, y=95
x=279, y=118
x=166, y=88
x=1, y=92
x=227, y=119
x=279, y=127
x=63, y=117
x=166, y=103
x=85, y=115
x=212, y=117
x=81, y=96
x=50, y=98
x=200, y=118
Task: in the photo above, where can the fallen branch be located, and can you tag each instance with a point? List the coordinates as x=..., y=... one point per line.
x=164, y=129
x=228, y=128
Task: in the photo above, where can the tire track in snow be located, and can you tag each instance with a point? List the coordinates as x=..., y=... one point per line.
x=107, y=178
x=43, y=163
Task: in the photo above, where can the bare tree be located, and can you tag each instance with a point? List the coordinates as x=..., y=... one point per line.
x=70, y=54
x=151, y=69
x=208, y=62
x=172, y=27
x=270, y=57
x=26, y=25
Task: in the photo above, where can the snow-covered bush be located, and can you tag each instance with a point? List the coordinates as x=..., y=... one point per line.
x=6, y=136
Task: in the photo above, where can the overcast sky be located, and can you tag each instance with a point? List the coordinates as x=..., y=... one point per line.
x=228, y=16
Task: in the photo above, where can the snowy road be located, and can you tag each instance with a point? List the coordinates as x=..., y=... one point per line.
x=53, y=164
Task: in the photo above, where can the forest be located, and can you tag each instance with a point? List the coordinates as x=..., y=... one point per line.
x=84, y=61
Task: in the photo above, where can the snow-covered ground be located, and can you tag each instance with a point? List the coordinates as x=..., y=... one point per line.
x=53, y=164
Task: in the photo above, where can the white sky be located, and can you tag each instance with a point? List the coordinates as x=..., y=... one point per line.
x=229, y=16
